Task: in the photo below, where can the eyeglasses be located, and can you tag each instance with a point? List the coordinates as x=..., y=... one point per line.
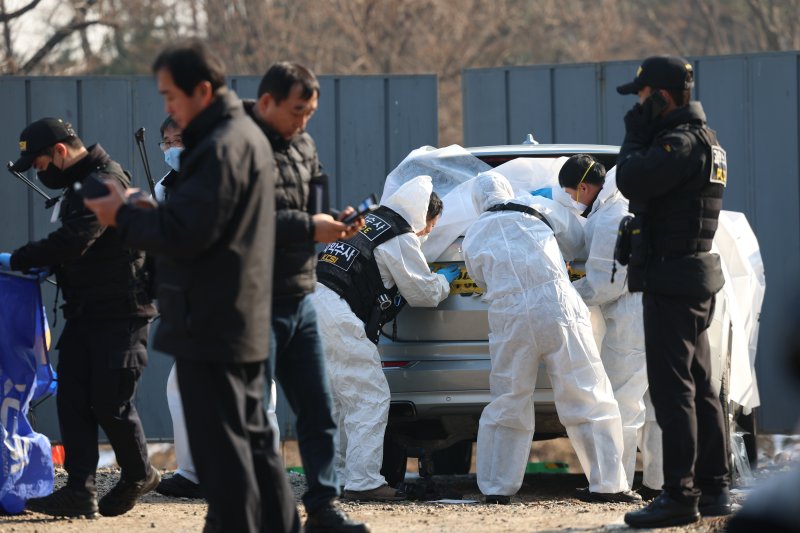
x=170, y=143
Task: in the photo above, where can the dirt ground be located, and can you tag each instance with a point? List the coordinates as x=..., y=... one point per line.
x=546, y=502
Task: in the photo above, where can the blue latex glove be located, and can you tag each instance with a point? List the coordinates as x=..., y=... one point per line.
x=546, y=192
x=40, y=273
x=450, y=272
x=5, y=261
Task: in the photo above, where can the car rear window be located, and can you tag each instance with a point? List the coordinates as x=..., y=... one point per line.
x=608, y=160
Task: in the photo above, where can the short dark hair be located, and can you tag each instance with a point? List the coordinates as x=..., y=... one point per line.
x=281, y=77
x=681, y=97
x=73, y=142
x=435, y=207
x=577, y=169
x=191, y=63
x=168, y=124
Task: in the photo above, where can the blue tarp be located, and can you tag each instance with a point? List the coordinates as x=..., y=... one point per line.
x=25, y=375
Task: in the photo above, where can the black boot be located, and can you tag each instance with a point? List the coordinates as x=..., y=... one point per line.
x=178, y=486
x=715, y=504
x=648, y=494
x=331, y=519
x=123, y=496
x=664, y=511
x=66, y=502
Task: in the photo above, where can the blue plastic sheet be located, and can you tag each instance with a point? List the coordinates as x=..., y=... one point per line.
x=25, y=375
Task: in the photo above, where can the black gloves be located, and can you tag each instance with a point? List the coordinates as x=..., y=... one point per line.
x=639, y=122
x=639, y=118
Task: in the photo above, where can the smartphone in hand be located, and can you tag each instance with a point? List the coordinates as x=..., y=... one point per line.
x=91, y=187
x=365, y=206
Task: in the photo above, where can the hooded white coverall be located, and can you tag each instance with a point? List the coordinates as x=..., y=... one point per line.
x=360, y=391
x=622, y=349
x=536, y=315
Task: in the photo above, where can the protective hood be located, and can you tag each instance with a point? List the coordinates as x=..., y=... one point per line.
x=490, y=189
x=410, y=201
x=608, y=192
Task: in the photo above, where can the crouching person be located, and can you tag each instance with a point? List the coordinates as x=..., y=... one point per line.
x=382, y=260
x=535, y=315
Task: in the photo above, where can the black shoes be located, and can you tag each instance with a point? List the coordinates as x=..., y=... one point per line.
x=122, y=498
x=715, y=505
x=498, y=499
x=664, y=511
x=331, y=519
x=178, y=486
x=66, y=502
x=628, y=496
x=647, y=493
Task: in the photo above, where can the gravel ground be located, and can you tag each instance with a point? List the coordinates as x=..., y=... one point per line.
x=545, y=502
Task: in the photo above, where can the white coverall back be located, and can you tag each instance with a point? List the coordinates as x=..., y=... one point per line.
x=359, y=388
x=535, y=315
x=622, y=349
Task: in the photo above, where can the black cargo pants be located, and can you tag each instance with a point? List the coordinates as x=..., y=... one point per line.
x=99, y=365
x=687, y=408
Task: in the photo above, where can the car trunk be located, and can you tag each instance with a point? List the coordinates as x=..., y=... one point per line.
x=460, y=317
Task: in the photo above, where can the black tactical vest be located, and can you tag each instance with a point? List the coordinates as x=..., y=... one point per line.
x=108, y=280
x=683, y=222
x=349, y=268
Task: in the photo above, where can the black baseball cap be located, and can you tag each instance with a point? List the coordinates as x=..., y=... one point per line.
x=39, y=136
x=661, y=72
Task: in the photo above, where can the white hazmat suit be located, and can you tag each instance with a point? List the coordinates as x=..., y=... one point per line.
x=360, y=391
x=622, y=348
x=535, y=315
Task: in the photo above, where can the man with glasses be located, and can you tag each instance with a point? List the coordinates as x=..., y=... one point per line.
x=171, y=145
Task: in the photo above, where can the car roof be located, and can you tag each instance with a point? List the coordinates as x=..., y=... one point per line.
x=522, y=150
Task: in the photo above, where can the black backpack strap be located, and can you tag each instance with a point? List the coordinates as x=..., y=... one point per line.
x=510, y=206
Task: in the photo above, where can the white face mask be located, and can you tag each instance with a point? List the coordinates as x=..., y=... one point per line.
x=423, y=238
x=579, y=207
x=566, y=200
x=172, y=156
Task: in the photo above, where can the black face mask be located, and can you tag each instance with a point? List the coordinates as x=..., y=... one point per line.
x=53, y=177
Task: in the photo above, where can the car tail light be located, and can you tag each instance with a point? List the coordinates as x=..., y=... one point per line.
x=395, y=364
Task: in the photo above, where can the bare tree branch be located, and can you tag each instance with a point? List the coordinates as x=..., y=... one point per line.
x=5, y=17
x=770, y=32
x=7, y=41
x=60, y=34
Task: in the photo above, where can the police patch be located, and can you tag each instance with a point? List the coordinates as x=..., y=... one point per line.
x=374, y=226
x=719, y=166
x=339, y=254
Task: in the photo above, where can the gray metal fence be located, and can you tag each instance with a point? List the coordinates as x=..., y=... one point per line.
x=364, y=127
x=751, y=100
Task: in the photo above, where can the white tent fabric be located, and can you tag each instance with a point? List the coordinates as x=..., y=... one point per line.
x=448, y=167
x=525, y=174
x=744, y=293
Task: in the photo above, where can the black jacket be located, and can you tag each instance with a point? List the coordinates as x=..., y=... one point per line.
x=214, y=240
x=99, y=277
x=675, y=178
x=300, y=192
